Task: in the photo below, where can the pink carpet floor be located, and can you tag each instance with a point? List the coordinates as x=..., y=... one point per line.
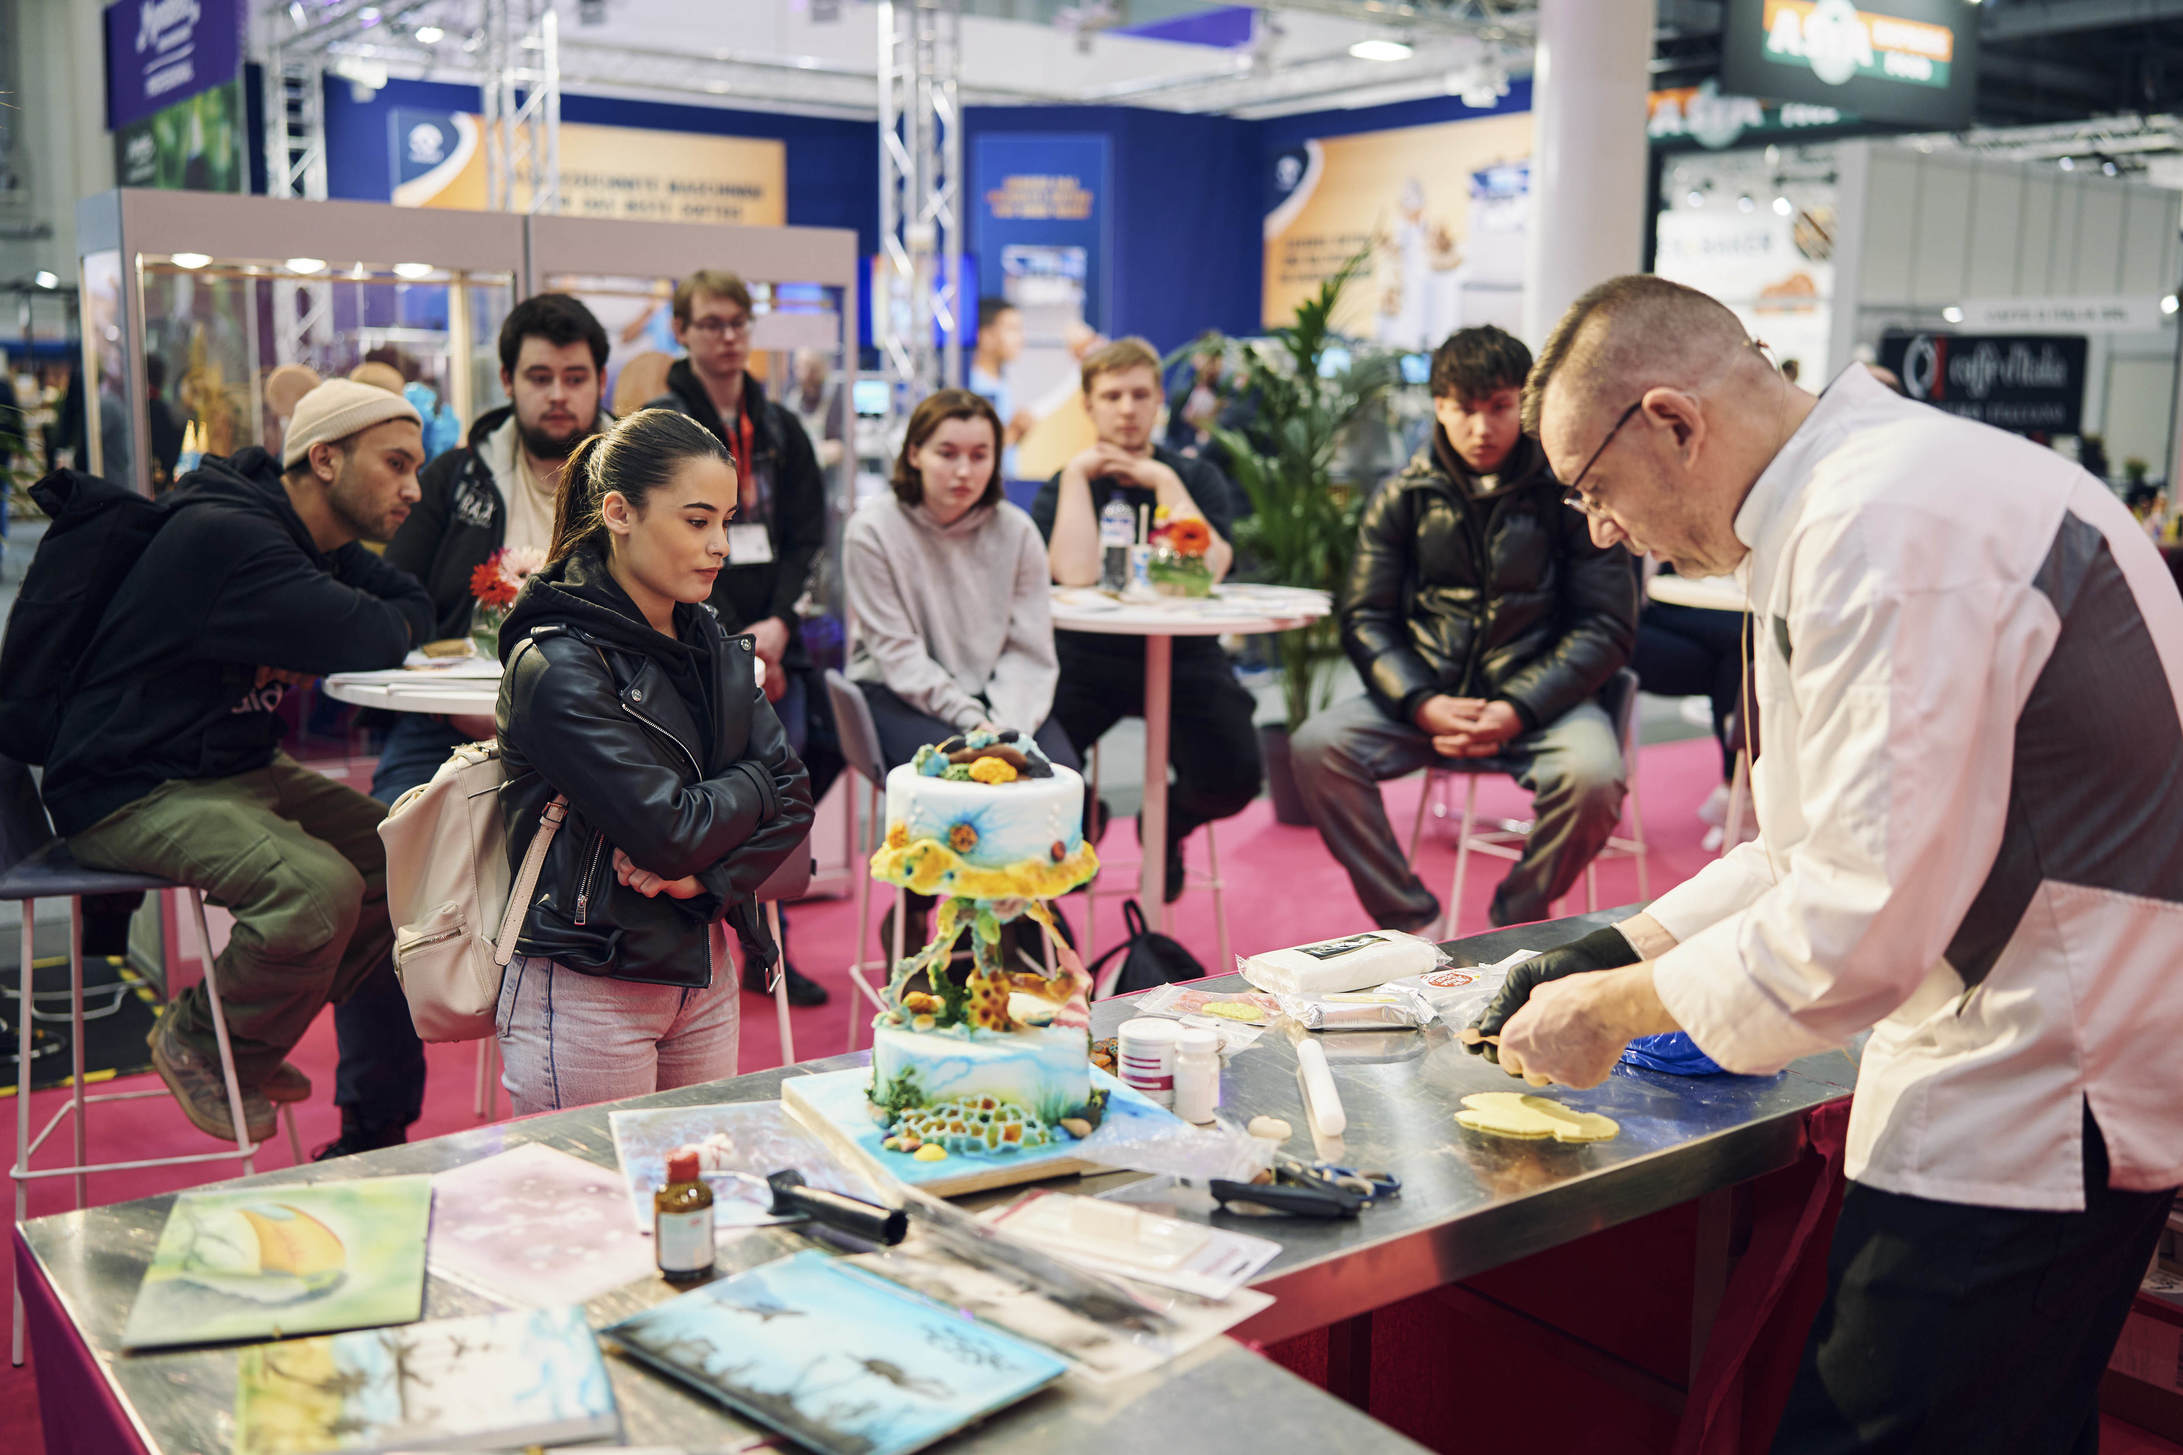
x=1283, y=889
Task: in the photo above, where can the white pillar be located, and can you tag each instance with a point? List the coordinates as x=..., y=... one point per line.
x=1588, y=159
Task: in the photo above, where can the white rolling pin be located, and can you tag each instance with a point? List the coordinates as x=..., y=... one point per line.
x=1322, y=1103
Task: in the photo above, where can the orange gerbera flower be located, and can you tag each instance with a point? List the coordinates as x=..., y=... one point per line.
x=1189, y=536
x=490, y=586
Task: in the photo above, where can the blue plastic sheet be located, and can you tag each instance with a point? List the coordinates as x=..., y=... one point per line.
x=1674, y=1053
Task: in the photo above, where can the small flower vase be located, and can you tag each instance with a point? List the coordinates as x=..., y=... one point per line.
x=1174, y=574
x=485, y=630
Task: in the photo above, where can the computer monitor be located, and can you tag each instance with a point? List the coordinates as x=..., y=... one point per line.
x=1417, y=368
x=869, y=398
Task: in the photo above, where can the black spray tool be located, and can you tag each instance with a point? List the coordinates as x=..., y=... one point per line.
x=793, y=1198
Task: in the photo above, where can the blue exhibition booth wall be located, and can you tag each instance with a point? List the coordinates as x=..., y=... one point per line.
x=1177, y=202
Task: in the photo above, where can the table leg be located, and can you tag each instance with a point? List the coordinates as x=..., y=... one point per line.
x=1159, y=658
x=1349, y=1361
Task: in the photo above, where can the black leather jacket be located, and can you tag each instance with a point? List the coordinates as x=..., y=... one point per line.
x=1497, y=596
x=591, y=709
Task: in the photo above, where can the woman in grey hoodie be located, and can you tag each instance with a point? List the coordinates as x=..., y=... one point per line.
x=952, y=628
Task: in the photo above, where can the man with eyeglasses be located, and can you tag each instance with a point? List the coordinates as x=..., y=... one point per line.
x=1484, y=621
x=1969, y=661
x=779, y=527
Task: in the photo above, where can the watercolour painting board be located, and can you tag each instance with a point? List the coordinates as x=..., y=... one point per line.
x=839, y=1360
x=267, y=1262
x=492, y=1381
x=536, y=1228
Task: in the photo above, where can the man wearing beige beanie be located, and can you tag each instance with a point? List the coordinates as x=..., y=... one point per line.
x=167, y=758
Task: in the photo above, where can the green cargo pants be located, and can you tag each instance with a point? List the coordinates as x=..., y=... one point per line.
x=296, y=858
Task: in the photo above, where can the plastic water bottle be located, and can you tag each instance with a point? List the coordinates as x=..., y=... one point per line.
x=1117, y=533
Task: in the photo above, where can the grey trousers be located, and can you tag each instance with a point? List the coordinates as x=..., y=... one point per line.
x=1573, y=767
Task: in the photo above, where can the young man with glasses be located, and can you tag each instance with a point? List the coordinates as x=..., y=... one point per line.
x=1969, y=660
x=780, y=521
x=1484, y=622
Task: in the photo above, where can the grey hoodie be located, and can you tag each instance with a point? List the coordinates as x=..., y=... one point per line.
x=945, y=615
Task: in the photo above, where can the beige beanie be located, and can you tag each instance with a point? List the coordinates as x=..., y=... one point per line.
x=337, y=409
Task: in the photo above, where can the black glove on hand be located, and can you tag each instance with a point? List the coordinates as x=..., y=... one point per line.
x=1602, y=949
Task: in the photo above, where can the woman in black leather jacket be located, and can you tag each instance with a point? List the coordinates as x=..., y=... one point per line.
x=624, y=694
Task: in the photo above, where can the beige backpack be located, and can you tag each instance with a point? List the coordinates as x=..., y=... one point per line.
x=456, y=915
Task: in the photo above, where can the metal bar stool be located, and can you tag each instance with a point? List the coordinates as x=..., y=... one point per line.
x=35, y=865
x=1209, y=880
x=859, y=736
x=1505, y=838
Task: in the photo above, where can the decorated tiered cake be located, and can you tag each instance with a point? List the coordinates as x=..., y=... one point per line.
x=991, y=1060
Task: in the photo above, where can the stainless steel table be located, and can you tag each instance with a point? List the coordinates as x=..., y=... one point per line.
x=1468, y=1204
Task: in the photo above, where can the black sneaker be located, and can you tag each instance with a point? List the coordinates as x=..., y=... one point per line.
x=802, y=989
x=355, y=1138
x=1171, y=890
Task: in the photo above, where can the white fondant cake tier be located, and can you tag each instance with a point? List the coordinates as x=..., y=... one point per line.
x=990, y=826
x=1045, y=1071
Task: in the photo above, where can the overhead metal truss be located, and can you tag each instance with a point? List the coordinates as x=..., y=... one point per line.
x=522, y=105
x=916, y=315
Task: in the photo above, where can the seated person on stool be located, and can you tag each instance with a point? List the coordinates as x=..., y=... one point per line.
x=1214, y=744
x=496, y=492
x=168, y=758
x=1690, y=651
x=1483, y=621
x=948, y=590
x=779, y=530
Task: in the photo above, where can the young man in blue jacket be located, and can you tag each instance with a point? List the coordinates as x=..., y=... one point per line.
x=168, y=756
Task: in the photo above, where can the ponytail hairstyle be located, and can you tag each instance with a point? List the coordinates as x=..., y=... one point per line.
x=638, y=455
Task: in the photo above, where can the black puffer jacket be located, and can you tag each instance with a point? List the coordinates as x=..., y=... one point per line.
x=593, y=710
x=1499, y=595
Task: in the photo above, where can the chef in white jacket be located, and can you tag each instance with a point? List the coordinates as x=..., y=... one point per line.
x=1969, y=665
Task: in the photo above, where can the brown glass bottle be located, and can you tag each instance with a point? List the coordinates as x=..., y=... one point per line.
x=682, y=1222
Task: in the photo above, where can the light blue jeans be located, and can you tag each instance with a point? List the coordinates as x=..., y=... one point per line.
x=571, y=1039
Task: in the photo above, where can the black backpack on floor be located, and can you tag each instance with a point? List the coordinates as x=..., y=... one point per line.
x=99, y=531
x=1148, y=958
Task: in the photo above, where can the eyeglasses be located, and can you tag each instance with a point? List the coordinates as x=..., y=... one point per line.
x=718, y=327
x=1575, y=498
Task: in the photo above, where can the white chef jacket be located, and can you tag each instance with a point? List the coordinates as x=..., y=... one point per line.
x=1970, y=806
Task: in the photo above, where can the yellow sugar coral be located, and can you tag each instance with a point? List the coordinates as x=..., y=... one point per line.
x=898, y=835
x=992, y=770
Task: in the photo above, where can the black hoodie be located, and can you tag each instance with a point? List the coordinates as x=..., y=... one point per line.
x=666, y=750
x=792, y=495
x=231, y=583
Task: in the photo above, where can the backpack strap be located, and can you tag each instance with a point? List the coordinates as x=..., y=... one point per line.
x=526, y=880
x=534, y=858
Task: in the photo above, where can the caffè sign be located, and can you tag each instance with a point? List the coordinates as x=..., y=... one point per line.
x=2021, y=382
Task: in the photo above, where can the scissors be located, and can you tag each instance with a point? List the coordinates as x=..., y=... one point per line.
x=1367, y=1187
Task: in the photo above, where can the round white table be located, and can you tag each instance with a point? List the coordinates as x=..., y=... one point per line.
x=1242, y=609
x=471, y=688
x=1708, y=593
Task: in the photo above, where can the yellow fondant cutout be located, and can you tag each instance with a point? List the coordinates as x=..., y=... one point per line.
x=1513, y=1114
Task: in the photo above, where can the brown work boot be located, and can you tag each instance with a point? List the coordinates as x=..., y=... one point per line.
x=287, y=1083
x=198, y=1086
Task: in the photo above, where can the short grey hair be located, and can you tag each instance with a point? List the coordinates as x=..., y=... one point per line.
x=1631, y=326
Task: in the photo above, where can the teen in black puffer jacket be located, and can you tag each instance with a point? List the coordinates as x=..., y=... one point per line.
x=624, y=693
x=1493, y=594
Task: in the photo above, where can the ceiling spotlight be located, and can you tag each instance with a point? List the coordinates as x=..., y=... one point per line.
x=430, y=35
x=297, y=15
x=189, y=260
x=413, y=271
x=2069, y=164
x=368, y=16
x=1783, y=207
x=305, y=266
x=1696, y=198
x=2109, y=168
x=45, y=279
x=1745, y=204
x=1952, y=314
x=1381, y=50
x=2168, y=304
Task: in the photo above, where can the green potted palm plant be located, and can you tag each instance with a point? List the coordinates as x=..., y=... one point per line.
x=1302, y=529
